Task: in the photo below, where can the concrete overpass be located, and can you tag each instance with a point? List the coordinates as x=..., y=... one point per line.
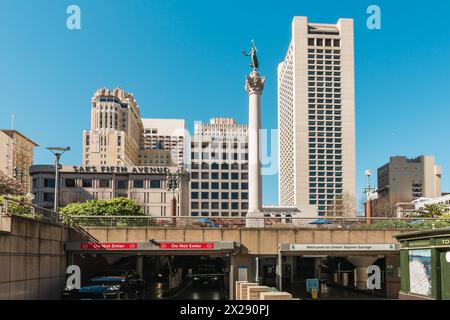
x=254, y=241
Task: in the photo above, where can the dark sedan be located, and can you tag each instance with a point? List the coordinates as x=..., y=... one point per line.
x=108, y=287
x=206, y=276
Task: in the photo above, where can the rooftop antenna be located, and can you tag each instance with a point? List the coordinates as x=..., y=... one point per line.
x=13, y=115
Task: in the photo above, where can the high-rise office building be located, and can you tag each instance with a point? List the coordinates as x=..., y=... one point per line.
x=219, y=169
x=404, y=180
x=119, y=137
x=166, y=136
x=316, y=119
x=16, y=156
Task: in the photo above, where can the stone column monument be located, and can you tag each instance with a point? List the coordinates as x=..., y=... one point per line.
x=254, y=86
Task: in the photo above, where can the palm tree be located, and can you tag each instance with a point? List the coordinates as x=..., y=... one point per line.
x=433, y=210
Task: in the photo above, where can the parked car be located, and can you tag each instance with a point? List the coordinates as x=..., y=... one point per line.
x=125, y=287
x=206, y=275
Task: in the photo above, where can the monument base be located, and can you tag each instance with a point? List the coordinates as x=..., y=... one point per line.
x=258, y=222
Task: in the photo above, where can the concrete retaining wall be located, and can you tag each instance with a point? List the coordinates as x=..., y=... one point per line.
x=32, y=259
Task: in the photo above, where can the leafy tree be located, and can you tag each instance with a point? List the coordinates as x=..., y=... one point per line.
x=9, y=186
x=113, y=207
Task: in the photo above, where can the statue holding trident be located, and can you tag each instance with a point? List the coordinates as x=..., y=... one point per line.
x=254, y=64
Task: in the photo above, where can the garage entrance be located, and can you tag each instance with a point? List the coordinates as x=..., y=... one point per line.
x=339, y=271
x=170, y=270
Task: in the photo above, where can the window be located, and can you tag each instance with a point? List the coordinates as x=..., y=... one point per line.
x=214, y=185
x=49, y=183
x=69, y=183
x=224, y=205
x=205, y=195
x=86, y=183
x=194, y=185
x=234, y=195
x=214, y=195
x=235, y=205
x=225, y=195
x=104, y=183
x=138, y=184
x=50, y=197
x=244, y=186
x=214, y=205
x=122, y=184
x=235, y=186
x=244, y=195
x=155, y=184
x=244, y=205
x=235, y=176
x=225, y=185
x=194, y=205
x=194, y=195
x=205, y=185
x=194, y=175
x=205, y=175
x=224, y=175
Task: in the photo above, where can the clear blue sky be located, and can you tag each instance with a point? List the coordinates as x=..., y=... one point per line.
x=182, y=59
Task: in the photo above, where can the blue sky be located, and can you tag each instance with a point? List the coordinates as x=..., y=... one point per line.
x=182, y=59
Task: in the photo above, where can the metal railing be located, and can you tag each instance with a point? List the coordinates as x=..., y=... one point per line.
x=16, y=207
x=262, y=222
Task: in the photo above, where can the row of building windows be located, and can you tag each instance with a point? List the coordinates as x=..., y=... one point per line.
x=217, y=214
x=216, y=166
x=217, y=145
x=219, y=156
x=215, y=195
x=222, y=205
x=320, y=42
x=223, y=175
x=102, y=183
x=223, y=185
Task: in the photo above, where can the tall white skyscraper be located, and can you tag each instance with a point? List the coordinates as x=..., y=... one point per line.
x=316, y=119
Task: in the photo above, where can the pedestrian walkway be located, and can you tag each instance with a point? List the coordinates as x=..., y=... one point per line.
x=298, y=290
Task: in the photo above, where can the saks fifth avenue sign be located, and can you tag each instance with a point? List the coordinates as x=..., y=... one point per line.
x=119, y=169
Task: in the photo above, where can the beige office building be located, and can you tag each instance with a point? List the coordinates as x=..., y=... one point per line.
x=16, y=156
x=403, y=180
x=145, y=184
x=219, y=169
x=119, y=137
x=316, y=118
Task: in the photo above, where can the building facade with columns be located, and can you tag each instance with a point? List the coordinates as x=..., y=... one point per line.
x=316, y=119
x=219, y=168
x=16, y=156
x=119, y=137
x=145, y=184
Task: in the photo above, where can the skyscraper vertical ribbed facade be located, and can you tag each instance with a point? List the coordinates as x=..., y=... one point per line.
x=316, y=119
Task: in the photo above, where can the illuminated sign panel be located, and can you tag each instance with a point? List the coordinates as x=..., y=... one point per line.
x=186, y=245
x=108, y=246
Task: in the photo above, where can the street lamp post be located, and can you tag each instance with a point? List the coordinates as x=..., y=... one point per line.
x=368, y=191
x=57, y=152
x=173, y=181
